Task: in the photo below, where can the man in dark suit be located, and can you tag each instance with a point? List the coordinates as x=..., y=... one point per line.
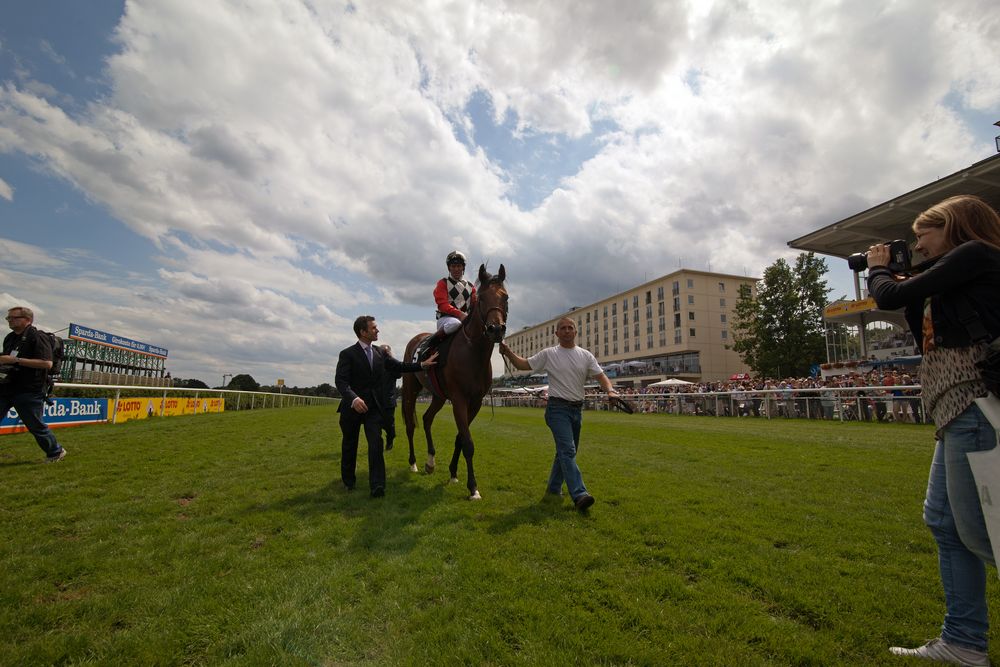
x=359, y=379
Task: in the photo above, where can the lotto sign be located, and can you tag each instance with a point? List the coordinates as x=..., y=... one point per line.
x=136, y=408
x=62, y=412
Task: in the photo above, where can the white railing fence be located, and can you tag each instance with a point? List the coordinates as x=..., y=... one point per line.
x=898, y=403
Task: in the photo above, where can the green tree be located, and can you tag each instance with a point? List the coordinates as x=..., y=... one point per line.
x=779, y=331
x=243, y=382
x=191, y=383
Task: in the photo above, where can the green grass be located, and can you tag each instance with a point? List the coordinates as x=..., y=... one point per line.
x=228, y=539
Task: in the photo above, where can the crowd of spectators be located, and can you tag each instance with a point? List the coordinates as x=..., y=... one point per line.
x=878, y=395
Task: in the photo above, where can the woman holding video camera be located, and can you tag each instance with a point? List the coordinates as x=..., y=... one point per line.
x=960, y=237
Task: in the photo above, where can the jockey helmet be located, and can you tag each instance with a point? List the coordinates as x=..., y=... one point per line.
x=455, y=257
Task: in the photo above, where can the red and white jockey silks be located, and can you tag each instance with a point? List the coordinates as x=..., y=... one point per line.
x=453, y=296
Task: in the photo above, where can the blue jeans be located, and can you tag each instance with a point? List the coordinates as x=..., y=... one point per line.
x=564, y=421
x=953, y=513
x=29, y=406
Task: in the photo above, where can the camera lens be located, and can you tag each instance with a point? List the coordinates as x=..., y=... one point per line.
x=858, y=261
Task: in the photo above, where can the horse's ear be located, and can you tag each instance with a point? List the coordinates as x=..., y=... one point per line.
x=502, y=274
x=483, y=276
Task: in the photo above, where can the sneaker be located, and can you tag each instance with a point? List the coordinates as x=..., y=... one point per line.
x=942, y=651
x=58, y=457
x=584, y=501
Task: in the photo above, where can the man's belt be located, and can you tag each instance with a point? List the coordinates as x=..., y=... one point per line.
x=555, y=400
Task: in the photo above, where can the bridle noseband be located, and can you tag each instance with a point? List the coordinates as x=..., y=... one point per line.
x=493, y=332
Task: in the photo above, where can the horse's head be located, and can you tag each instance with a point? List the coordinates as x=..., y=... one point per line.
x=491, y=303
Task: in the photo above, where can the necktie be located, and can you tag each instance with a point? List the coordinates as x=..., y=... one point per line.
x=368, y=353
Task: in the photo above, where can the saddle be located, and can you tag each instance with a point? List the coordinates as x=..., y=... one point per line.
x=433, y=379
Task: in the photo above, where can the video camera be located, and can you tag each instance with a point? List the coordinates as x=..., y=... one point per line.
x=899, y=258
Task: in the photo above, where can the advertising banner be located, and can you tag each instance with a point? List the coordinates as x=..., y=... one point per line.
x=77, y=332
x=63, y=412
x=143, y=408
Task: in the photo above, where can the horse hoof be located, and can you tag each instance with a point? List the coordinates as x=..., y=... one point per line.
x=428, y=468
x=454, y=480
x=475, y=496
x=413, y=467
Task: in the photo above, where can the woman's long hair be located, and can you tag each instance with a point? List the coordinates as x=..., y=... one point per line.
x=963, y=218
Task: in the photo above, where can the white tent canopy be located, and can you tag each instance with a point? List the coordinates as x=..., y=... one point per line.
x=672, y=382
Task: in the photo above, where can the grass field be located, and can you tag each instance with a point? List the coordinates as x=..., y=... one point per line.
x=228, y=539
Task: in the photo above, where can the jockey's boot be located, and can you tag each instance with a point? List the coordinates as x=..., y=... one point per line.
x=432, y=345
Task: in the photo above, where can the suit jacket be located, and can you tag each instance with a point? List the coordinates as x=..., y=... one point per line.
x=355, y=377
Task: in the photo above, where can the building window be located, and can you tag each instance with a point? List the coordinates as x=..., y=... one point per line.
x=677, y=303
x=722, y=318
x=605, y=323
x=659, y=293
x=649, y=312
x=649, y=296
x=722, y=302
x=614, y=336
x=677, y=319
x=605, y=349
x=605, y=310
x=690, y=333
x=614, y=349
x=663, y=339
x=663, y=324
x=649, y=341
x=722, y=287
x=691, y=315
x=677, y=336
x=649, y=326
x=676, y=289
x=625, y=333
x=690, y=299
x=614, y=309
x=660, y=310
x=637, y=348
x=625, y=319
x=636, y=329
x=690, y=283
x=635, y=300
x=725, y=334
x=626, y=347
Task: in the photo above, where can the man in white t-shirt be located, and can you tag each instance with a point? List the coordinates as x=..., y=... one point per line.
x=568, y=367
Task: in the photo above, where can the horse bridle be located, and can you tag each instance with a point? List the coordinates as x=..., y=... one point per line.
x=483, y=319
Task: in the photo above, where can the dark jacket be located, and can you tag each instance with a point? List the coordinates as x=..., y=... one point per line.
x=29, y=345
x=355, y=377
x=970, y=272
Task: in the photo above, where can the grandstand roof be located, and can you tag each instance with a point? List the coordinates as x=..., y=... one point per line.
x=892, y=219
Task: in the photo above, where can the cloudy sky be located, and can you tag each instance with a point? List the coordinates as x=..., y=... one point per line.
x=237, y=181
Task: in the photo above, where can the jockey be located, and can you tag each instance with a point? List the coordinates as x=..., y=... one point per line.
x=453, y=295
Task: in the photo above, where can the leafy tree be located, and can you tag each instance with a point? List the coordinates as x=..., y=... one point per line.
x=243, y=382
x=324, y=389
x=190, y=384
x=779, y=332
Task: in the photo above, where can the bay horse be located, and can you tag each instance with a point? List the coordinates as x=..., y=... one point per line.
x=465, y=378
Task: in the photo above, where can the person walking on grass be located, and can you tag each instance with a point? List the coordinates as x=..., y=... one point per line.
x=360, y=378
x=24, y=367
x=568, y=367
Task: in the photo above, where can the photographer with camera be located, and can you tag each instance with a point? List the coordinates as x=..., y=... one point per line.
x=958, y=287
x=24, y=366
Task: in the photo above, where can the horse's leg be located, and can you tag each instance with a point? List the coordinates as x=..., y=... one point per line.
x=460, y=409
x=411, y=387
x=436, y=404
x=469, y=448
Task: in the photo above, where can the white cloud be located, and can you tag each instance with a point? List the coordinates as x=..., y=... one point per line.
x=291, y=186
x=6, y=191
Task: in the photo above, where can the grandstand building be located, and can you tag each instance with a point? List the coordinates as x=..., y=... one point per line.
x=676, y=326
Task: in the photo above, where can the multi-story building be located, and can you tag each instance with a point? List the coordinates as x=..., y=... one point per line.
x=677, y=325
